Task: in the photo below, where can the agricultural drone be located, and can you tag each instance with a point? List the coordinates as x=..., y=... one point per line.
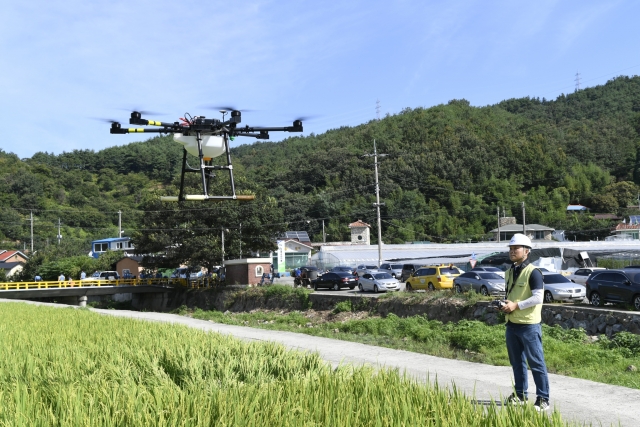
x=206, y=139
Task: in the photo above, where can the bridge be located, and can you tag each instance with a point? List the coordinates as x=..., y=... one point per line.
x=89, y=287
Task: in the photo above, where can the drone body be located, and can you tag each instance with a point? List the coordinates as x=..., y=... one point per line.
x=205, y=139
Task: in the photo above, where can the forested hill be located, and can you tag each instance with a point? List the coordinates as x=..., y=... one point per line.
x=445, y=172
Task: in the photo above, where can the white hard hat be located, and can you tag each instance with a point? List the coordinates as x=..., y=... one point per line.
x=519, y=239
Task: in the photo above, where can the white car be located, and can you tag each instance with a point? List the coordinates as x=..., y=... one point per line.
x=582, y=274
x=378, y=282
x=365, y=268
x=103, y=275
x=558, y=288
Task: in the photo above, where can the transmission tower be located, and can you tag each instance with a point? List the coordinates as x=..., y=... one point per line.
x=378, y=109
x=577, y=81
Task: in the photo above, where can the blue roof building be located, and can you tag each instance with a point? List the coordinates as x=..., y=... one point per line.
x=112, y=244
x=577, y=208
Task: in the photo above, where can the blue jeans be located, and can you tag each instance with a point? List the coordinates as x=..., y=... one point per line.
x=524, y=344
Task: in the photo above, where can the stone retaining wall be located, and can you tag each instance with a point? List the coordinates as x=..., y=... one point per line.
x=593, y=320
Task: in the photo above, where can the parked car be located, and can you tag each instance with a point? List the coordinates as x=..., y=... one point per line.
x=618, y=286
x=485, y=283
x=558, y=288
x=582, y=274
x=104, y=275
x=342, y=268
x=308, y=274
x=196, y=273
x=335, y=280
x=364, y=268
x=495, y=270
x=432, y=278
x=377, y=282
x=394, y=269
x=408, y=270
x=180, y=273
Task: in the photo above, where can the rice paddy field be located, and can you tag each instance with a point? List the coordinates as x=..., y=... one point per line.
x=72, y=367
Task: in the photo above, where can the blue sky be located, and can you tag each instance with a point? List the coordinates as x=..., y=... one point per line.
x=65, y=63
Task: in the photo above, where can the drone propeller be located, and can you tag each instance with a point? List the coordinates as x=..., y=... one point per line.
x=304, y=118
x=143, y=112
x=105, y=120
x=226, y=108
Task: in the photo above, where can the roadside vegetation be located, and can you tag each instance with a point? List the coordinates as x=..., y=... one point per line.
x=84, y=369
x=568, y=352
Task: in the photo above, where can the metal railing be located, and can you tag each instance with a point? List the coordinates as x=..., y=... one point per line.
x=203, y=282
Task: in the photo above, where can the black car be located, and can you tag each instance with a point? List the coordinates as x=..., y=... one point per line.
x=618, y=286
x=341, y=269
x=335, y=280
x=408, y=270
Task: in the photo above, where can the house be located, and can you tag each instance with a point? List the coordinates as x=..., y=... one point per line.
x=533, y=231
x=577, y=208
x=112, y=244
x=12, y=256
x=11, y=268
x=292, y=253
x=627, y=230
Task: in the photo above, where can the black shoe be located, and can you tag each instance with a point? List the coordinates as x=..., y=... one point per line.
x=541, y=404
x=514, y=399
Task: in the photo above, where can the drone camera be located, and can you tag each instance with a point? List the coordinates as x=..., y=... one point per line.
x=263, y=135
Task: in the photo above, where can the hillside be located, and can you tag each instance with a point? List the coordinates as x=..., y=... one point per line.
x=446, y=171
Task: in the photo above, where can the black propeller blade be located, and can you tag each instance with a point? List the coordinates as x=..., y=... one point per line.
x=143, y=112
x=226, y=108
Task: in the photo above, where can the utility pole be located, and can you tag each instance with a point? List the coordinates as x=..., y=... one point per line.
x=59, y=235
x=222, y=245
x=377, y=204
x=31, y=232
x=324, y=235
x=240, y=240
x=378, y=109
x=119, y=223
x=577, y=80
x=498, y=224
x=524, y=229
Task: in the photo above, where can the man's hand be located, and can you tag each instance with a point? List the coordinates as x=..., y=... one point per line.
x=510, y=306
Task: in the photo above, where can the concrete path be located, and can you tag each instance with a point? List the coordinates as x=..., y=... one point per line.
x=577, y=400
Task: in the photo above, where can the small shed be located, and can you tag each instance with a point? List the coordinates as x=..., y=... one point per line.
x=247, y=271
x=130, y=263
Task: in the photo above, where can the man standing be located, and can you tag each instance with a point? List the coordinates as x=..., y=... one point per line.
x=523, y=312
x=61, y=278
x=83, y=275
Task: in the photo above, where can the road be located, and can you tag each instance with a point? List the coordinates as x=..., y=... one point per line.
x=578, y=400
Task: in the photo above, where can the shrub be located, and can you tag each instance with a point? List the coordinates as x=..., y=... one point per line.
x=342, y=306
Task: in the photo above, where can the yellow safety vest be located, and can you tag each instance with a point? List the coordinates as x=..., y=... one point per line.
x=520, y=291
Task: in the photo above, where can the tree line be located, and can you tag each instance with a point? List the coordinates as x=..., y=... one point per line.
x=447, y=171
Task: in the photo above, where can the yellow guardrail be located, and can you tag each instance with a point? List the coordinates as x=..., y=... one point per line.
x=204, y=282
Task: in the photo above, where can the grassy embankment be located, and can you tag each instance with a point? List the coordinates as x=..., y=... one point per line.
x=567, y=352
x=71, y=367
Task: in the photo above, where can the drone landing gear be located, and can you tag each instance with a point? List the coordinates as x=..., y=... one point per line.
x=204, y=169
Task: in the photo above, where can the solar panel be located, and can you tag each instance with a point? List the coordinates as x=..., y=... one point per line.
x=302, y=236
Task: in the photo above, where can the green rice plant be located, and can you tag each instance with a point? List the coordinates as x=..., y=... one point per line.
x=72, y=367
